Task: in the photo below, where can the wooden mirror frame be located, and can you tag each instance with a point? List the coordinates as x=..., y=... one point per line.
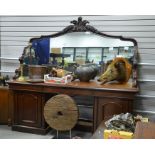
x=82, y=26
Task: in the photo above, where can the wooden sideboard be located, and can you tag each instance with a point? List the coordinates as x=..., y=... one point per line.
x=30, y=98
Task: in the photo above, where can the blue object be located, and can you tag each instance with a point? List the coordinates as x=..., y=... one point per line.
x=42, y=50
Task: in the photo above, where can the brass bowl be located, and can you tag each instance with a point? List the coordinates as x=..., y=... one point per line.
x=37, y=71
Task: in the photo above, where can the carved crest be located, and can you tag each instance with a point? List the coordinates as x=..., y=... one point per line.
x=81, y=26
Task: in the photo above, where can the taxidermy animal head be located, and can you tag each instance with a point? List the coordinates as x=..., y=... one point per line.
x=119, y=69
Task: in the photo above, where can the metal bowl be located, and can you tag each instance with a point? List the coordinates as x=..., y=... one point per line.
x=37, y=71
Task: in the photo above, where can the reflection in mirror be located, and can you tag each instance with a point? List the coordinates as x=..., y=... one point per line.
x=84, y=47
x=80, y=43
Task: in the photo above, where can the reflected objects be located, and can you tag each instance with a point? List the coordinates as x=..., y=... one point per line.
x=80, y=44
x=71, y=66
x=58, y=55
x=29, y=56
x=41, y=48
x=91, y=48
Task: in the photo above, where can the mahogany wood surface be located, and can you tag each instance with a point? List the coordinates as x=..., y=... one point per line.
x=4, y=105
x=30, y=98
x=145, y=130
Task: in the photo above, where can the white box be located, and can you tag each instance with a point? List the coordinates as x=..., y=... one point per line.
x=57, y=80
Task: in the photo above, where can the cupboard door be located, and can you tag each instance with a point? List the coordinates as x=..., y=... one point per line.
x=107, y=107
x=28, y=109
x=4, y=107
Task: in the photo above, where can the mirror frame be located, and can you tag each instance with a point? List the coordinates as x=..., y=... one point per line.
x=82, y=26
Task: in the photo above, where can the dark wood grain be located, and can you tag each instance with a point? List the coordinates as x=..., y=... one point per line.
x=145, y=130
x=4, y=105
x=30, y=98
x=28, y=110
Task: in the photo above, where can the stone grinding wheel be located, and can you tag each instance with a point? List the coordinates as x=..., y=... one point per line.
x=61, y=112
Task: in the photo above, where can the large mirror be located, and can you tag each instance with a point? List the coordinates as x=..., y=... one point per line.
x=84, y=47
x=80, y=43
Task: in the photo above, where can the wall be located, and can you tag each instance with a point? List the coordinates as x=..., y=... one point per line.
x=17, y=30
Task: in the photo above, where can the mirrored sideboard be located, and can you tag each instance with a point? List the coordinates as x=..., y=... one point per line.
x=78, y=43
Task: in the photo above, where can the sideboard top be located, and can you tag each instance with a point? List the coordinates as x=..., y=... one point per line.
x=91, y=85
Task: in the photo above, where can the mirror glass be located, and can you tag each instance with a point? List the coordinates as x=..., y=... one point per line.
x=83, y=47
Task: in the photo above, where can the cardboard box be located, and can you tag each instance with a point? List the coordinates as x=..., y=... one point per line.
x=56, y=50
x=114, y=134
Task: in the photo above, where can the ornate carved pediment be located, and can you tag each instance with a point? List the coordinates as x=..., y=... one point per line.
x=82, y=26
x=78, y=26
